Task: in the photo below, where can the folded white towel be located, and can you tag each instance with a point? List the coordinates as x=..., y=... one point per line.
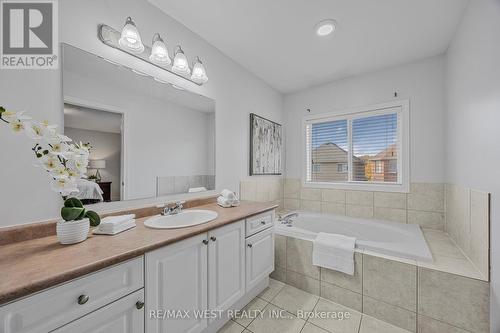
x=107, y=230
x=228, y=195
x=116, y=220
x=223, y=202
x=112, y=228
x=334, y=252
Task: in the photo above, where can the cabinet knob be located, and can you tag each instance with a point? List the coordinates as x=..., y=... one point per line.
x=213, y=238
x=262, y=222
x=205, y=241
x=82, y=299
x=249, y=245
x=139, y=305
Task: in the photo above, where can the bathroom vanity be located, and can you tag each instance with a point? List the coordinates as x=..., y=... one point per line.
x=138, y=280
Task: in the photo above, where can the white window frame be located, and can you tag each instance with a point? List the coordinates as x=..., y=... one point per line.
x=403, y=182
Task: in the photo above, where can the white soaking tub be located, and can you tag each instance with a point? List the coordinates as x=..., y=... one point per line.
x=384, y=237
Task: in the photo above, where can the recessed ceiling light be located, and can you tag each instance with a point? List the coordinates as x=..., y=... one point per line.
x=325, y=27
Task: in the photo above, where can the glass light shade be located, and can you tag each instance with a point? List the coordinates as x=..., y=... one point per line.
x=181, y=65
x=130, y=39
x=159, y=52
x=199, y=73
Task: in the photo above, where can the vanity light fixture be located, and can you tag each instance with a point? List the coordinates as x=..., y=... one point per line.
x=325, y=27
x=159, y=52
x=181, y=65
x=199, y=73
x=130, y=39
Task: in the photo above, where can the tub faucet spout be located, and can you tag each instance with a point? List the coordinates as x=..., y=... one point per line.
x=287, y=218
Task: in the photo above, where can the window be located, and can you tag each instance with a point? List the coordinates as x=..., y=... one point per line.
x=342, y=167
x=365, y=148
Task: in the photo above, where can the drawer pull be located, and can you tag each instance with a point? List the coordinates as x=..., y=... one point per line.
x=205, y=242
x=249, y=245
x=262, y=222
x=139, y=305
x=213, y=238
x=82, y=299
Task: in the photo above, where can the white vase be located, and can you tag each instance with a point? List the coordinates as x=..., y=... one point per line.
x=71, y=232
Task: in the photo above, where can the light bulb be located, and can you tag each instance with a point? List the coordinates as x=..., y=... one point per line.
x=159, y=52
x=130, y=39
x=199, y=74
x=180, y=65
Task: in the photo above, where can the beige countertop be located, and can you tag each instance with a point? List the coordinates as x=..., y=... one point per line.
x=33, y=265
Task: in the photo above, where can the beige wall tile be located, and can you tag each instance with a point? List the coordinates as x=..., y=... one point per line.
x=429, y=325
x=310, y=206
x=276, y=190
x=459, y=301
x=479, y=236
x=462, y=267
x=299, y=257
x=310, y=194
x=280, y=251
x=362, y=198
x=303, y=282
x=331, y=195
x=279, y=274
x=359, y=211
x=458, y=215
x=341, y=296
x=390, y=214
x=292, y=188
x=389, y=200
x=262, y=192
x=389, y=313
x=431, y=220
x=292, y=204
x=333, y=208
x=426, y=196
x=248, y=190
x=351, y=282
x=390, y=281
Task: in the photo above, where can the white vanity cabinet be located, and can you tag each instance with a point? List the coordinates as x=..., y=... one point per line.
x=226, y=266
x=123, y=316
x=259, y=257
x=176, y=281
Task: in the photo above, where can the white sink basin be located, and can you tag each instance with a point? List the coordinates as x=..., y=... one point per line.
x=186, y=218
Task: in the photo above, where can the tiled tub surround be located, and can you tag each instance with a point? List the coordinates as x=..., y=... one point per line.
x=424, y=205
x=263, y=190
x=467, y=223
x=400, y=292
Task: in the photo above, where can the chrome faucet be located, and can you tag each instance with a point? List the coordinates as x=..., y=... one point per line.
x=287, y=218
x=175, y=209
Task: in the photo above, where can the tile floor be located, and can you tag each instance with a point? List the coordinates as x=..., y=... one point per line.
x=279, y=296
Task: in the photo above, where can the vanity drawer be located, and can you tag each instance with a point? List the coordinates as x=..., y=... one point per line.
x=55, y=307
x=259, y=222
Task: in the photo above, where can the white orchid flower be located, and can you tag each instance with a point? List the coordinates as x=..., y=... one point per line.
x=60, y=173
x=58, y=148
x=50, y=163
x=64, y=186
x=34, y=130
x=17, y=126
x=64, y=138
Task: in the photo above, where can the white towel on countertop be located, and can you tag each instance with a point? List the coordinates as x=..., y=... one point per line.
x=197, y=189
x=228, y=199
x=117, y=220
x=113, y=230
x=335, y=252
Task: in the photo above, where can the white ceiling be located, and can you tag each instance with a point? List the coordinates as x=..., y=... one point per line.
x=275, y=39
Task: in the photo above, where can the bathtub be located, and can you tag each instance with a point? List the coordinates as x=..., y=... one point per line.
x=383, y=237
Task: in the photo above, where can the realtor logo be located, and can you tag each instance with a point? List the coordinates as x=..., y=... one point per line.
x=29, y=34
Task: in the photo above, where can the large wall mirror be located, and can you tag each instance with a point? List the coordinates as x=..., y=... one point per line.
x=148, y=138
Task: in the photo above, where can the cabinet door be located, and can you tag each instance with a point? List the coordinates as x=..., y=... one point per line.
x=259, y=257
x=176, y=281
x=123, y=316
x=226, y=265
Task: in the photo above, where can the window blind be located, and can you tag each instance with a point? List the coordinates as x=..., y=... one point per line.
x=362, y=147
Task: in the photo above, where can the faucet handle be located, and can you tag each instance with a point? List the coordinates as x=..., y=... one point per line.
x=180, y=204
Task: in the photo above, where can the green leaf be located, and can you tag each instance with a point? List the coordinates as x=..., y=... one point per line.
x=73, y=202
x=71, y=213
x=2, y=110
x=94, y=218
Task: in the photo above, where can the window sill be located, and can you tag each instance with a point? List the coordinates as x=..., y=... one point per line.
x=374, y=187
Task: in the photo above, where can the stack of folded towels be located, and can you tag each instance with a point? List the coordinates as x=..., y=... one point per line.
x=228, y=199
x=113, y=225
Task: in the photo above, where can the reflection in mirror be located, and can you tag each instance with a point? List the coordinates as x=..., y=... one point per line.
x=148, y=138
